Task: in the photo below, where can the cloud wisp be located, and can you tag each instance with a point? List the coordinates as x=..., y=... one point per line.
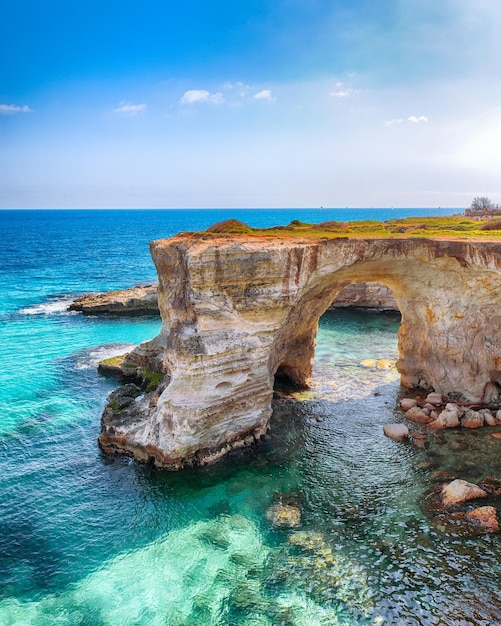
x=10, y=109
x=196, y=96
x=414, y=119
x=264, y=94
x=130, y=109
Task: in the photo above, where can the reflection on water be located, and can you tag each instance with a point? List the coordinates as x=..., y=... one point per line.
x=87, y=539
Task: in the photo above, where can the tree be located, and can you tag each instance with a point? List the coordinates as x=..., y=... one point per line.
x=481, y=203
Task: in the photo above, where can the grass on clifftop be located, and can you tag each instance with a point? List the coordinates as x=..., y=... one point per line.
x=421, y=227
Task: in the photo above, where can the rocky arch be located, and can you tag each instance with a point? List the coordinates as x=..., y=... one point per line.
x=295, y=343
x=235, y=309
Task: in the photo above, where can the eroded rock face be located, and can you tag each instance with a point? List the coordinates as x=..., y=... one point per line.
x=369, y=295
x=237, y=309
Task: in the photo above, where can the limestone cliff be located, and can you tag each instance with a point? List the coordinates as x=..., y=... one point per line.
x=236, y=310
x=142, y=300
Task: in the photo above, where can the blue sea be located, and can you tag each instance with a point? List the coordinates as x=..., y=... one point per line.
x=92, y=540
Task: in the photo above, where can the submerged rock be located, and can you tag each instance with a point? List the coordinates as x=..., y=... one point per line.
x=491, y=485
x=480, y=521
x=285, y=512
x=284, y=516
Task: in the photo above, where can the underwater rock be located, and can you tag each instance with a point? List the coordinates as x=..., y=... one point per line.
x=286, y=512
x=330, y=574
x=441, y=476
x=283, y=516
x=480, y=521
x=491, y=485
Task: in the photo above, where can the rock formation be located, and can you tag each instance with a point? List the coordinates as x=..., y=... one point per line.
x=143, y=300
x=237, y=310
x=138, y=300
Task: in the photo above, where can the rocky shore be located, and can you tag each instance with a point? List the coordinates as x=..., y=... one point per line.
x=138, y=300
x=453, y=503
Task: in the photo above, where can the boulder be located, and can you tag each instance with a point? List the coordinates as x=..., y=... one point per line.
x=485, y=518
x=399, y=432
x=448, y=418
x=418, y=415
x=407, y=403
x=434, y=398
x=489, y=418
x=498, y=417
x=472, y=419
x=459, y=491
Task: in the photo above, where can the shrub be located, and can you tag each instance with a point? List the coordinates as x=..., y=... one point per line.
x=230, y=227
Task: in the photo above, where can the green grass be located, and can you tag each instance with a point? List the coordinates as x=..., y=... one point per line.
x=410, y=227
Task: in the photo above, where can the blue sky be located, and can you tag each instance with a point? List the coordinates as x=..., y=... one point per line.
x=257, y=103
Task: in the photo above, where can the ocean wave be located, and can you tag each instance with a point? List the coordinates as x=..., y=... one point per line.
x=90, y=358
x=53, y=306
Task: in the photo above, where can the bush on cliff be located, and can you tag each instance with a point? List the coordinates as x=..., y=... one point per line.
x=233, y=227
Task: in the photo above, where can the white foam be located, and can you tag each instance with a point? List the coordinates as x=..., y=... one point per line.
x=90, y=359
x=55, y=306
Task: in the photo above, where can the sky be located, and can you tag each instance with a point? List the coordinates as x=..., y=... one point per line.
x=249, y=103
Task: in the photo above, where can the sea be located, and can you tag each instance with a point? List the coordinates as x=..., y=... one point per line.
x=92, y=540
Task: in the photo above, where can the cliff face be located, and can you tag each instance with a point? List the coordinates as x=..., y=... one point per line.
x=235, y=310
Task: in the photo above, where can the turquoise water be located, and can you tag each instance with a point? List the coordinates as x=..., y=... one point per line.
x=90, y=540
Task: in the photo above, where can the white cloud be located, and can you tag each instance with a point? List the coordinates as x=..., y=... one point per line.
x=130, y=109
x=343, y=93
x=8, y=109
x=193, y=96
x=413, y=118
x=264, y=94
x=417, y=120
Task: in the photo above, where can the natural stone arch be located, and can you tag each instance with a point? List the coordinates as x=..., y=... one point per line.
x=235, y=309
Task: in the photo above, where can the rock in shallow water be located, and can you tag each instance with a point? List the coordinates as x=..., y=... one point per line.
x=407, y=403
x=418, y=415
x=472, y=419
x=399, y=432
x=480, y=521
x=459, y=491
x=284, y=515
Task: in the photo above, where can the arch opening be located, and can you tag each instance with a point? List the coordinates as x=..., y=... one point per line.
x=366, y=298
